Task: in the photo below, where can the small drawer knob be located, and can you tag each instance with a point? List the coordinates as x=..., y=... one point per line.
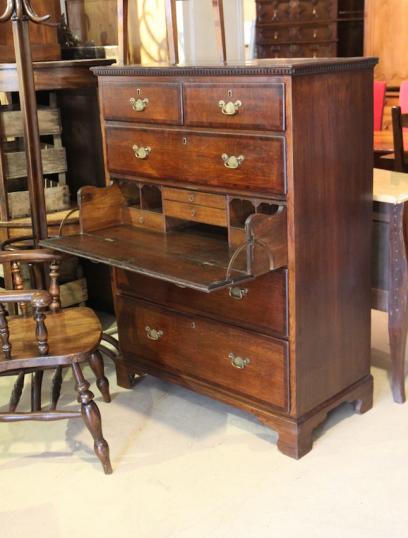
x=191, y=198
x=141, y=152
x=232, y=161
x=230, y=108
x=193, y=212
x=138, y=105
x=238, y=293
x=238, y=362
x=154, y=334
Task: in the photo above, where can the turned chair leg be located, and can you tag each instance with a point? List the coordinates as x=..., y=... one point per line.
x=36, y=385
x=92, y=418
x=56, y=388
x=17, y=392
x=96, y=363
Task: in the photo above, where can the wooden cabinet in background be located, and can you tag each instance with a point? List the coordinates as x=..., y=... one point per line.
x=309, y=28
x=44, y=39
x=296, y=29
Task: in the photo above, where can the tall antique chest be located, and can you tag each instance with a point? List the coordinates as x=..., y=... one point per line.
x=237, y=222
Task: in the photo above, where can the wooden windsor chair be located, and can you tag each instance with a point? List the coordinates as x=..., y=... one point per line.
x=45, y=337
x=171, y=25
x=399, y=124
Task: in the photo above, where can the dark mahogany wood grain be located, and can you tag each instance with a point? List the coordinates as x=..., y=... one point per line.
x=184, y=344
x=173, y=151
x=43, y=38
x=330, y=290
x=164, y=103
x=250, y=311
x=59, y=75
x=201, y=105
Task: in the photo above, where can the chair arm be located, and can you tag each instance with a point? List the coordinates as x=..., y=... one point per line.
x=34, y=256
x=38, y=298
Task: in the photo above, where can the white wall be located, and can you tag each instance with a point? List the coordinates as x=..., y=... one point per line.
x=197, y=31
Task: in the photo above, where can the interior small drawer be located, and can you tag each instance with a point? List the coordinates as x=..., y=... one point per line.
x=241, y=106
x=244, y=305
x=239, y=361
x=194, y=197
x=128, y=99
x=226, y=160
x=195, y=213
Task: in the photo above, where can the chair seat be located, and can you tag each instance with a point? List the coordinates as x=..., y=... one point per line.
x=70, y=331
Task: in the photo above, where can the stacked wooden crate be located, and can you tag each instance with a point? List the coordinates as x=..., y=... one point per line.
x=15, y=220
x=13, y=158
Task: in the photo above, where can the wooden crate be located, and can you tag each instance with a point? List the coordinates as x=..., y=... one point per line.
x=14, y=163
x=56, y=199
x=74, y=292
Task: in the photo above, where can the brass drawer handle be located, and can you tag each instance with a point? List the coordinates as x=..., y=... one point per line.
x=138, y=105
x=154, y=334
x=141, y=152
x=230, y=108
x=238, y=293
x=232, y=162
x=238, y=362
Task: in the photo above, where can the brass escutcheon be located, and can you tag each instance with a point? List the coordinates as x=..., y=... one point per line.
x=141, y=152
x=230, y=108
x=154, y=334
x=232, y=161
x=238, y=362
x=138, y=105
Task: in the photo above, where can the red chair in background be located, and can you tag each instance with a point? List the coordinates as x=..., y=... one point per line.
x=403, y=97
x=379, y=98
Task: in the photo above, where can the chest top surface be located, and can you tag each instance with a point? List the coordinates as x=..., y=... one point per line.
x=276, y=67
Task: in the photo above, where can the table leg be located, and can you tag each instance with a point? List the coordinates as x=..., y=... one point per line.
x=398, y=301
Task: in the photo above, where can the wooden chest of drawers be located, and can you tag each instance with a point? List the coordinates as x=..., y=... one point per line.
x=238, y=227
x=296, y=28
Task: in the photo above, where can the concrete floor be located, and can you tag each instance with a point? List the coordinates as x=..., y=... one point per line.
x=188, y=467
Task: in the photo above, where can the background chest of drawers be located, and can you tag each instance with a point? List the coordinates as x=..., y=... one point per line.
x=296, y=28
x=239, y=233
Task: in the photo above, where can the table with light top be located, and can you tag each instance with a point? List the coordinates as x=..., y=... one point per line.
x=390, y=268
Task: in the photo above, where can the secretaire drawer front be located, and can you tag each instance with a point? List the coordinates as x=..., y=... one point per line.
x=222, y=160
x=142, y=152
x=260, y=304
x=131, y=100
x=241, y=362
x=241, y=106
